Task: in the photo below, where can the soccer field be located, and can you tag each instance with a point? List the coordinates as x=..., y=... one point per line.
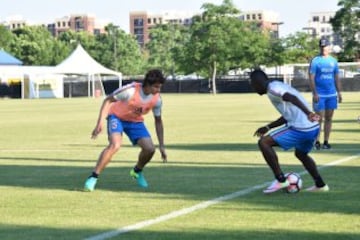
x=211, y=187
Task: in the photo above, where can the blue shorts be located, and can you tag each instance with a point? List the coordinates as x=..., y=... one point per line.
x=288, y=137
x=325, y=103
x=134, y=130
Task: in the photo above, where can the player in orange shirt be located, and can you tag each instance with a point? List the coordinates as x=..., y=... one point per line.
x=124, y=110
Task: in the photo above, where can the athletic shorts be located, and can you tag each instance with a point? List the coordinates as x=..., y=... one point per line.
x=325, y=103
x=288, y=137
x=134, y=130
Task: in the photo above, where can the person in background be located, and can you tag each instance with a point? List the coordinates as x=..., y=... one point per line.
x=326, y=89
x=124, y=110
x=296, y=128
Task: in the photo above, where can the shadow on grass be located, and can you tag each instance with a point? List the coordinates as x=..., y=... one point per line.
x=193, y=182
x=349, y=130
x=199, y=183
x=208, y=147
x=214, y=146
x=352, y=121
x=11, y=232
x=261, y=234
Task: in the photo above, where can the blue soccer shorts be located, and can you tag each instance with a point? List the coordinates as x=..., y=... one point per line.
x=134, y=130
x=288, y=137
x=325, y=103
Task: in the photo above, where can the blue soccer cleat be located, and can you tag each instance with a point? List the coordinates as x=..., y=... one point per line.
x=90, y=184
x=139, y=178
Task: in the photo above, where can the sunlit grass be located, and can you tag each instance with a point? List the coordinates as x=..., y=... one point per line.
x=46, y=154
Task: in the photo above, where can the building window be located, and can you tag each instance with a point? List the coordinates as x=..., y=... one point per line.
x=138, y=31
x=154, y=20
x=138, y=22
x=315, y=18
x=248, y=17
x=254, y=17
x=149, y=20
x=140, y=38
x=79, y=25
x=259, y=16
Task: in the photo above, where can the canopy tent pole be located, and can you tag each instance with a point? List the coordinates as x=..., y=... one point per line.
x=93, y=85
x=22, y=86
x=88, y=77
x=120, y=80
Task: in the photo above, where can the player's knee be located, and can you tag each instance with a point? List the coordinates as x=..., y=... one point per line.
x=264, y=142
x=300, y=155
x=328, y=119
x=114, y=147
x=149, y=149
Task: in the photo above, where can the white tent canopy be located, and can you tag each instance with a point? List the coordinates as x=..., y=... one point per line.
x=79, y=62
x=36, y=81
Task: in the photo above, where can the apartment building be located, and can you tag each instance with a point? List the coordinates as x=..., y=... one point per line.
x=77, y=23
x=319, y=26
x=14, y=22
x=268, y=20
x=141, y=21
x=74, y=22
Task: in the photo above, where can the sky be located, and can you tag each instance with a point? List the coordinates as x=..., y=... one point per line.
x=293, y=13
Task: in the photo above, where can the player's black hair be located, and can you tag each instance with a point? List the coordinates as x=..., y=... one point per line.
x=258, y=74
x=259, y=81
x=154, y=76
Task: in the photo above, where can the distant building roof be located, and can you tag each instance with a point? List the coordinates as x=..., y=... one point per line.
x=7, y=59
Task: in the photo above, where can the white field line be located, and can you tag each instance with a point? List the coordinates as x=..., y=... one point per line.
x=202, y=205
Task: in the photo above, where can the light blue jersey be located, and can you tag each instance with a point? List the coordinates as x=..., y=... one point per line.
x=299, y=131
x=324, y=69
x=294, y=116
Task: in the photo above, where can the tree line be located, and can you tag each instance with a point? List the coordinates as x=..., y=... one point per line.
x=216, y=42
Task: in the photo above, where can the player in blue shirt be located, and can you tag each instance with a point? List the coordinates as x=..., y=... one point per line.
x=325, y=86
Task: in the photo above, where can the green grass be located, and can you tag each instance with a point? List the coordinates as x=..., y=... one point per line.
x=46, y=154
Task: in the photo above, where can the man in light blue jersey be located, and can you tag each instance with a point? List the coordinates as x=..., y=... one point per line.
x=325, y=86
x=297, y=128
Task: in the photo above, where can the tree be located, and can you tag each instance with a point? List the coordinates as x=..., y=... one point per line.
x=220, y=41
x=346, y=22
x=5, y=38
x=34, y=45
x=300, y=48
x=130, y=56
x=118, y=50
x=212, y=37
x=165, y=47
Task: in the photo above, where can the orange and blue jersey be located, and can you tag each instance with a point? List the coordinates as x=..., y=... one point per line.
x=132, y=104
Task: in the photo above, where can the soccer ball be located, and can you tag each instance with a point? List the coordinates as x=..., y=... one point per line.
x=295, y=182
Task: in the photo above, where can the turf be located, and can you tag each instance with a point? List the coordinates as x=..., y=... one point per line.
x=46, y=154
